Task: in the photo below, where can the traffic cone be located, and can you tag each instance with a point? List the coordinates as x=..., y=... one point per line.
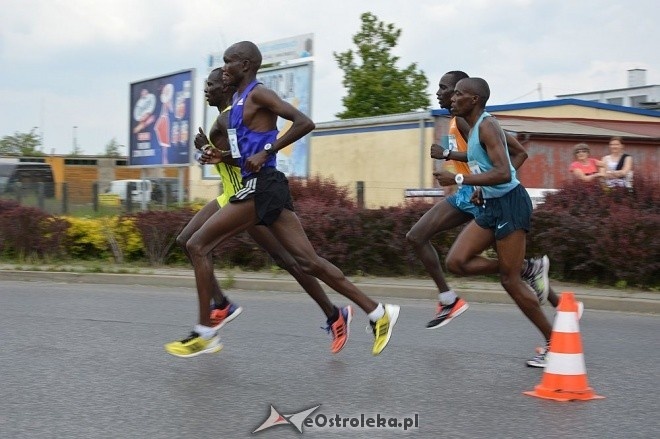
x=565, y=376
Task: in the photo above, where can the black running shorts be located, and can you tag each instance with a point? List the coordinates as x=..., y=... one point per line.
x=270, y=190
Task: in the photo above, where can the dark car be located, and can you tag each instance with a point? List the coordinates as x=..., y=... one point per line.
x=166, y=188
x=30, y=175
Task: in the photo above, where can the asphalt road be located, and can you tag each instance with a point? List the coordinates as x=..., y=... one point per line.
x=87, y=361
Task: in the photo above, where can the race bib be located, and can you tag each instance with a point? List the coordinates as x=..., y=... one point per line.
x=233, y=143
x=449, y=142
x=474, y=167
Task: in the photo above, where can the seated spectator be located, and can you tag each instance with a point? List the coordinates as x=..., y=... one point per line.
x=585, y=168
x=618, y=166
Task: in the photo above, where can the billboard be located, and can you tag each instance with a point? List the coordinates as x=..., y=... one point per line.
x=277, y=51
x=292, y=83
x=286, y=49
x=161, y=120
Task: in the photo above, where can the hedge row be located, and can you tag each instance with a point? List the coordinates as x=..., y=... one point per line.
x=590, y=234
x=608, y=236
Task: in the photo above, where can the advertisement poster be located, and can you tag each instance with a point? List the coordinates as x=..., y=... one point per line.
x=161, y=120
x=286, y=49
x=294, y=85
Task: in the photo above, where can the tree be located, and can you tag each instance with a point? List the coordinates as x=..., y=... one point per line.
x=77, y=151
x=21, y=144
x=377, y=87
x=112, y=148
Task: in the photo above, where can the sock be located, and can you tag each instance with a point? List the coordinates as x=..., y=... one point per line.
x=448, y=297
x=222, y=304
x=204, y=331
x=335, y=315
x=377, y=313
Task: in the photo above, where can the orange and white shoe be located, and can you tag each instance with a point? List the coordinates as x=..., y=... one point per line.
x=340, y=329
x=220, y=317
x=445, y=313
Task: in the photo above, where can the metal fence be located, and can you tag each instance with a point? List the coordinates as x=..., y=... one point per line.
x=85, y=198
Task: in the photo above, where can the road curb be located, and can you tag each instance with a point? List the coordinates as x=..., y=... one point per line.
x=484, y=294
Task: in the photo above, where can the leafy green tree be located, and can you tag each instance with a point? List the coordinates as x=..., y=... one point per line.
x=112, y=149
x=376, y=86
x=22, y=144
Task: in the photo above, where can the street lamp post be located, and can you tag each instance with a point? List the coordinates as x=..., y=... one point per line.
x=75, y=140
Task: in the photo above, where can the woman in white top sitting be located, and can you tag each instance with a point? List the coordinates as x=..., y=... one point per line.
x=618, y=166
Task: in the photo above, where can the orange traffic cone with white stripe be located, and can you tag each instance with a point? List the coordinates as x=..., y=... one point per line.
x=565, y=376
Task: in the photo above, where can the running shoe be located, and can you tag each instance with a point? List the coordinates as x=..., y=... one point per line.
x=340, y=329
x=194, y=345
x=445, y=313
x=382, y=328
x=220, y=317
x=536, y=276
x=539, y=360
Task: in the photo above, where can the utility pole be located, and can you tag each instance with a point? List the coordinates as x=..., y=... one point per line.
x=75, y=140
x=41, y=123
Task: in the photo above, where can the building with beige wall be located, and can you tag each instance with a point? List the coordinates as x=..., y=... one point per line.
x=387, y=154
x=390, y=154
x=200, y=188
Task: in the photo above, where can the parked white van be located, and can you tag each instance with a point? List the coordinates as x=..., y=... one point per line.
x=142, y=190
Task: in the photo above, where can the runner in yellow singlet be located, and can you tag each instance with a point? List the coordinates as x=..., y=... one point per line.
x=230, y=175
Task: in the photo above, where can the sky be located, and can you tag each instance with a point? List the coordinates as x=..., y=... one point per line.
x=70, y=63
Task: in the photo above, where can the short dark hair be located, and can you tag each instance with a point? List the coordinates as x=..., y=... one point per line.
x=457, y=75
x=216, y=71
x=579, y=147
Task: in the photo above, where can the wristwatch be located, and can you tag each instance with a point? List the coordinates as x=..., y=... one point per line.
x=269, y=149
x=445, y=153
x=459, y=179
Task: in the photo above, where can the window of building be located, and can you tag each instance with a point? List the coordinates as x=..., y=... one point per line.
x=88, y=162
x=615, y=101
x=636, y=101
